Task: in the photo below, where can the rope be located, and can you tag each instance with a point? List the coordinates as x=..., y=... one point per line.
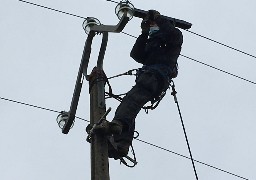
x=183, y=126
x=130, y=72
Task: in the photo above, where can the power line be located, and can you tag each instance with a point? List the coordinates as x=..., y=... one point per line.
x=34, y=106
x=222, y=44
x=218, y=69
x=145, y=142
x=112, y=1
x=52, y=9
x=167, y=150
x=26, y=104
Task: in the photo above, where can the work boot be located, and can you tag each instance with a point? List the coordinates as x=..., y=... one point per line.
x=102, y=128
x=115, y=127
x=109, y=128
x=118, y=149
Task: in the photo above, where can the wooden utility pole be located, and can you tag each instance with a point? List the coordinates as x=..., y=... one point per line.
x=99, y=146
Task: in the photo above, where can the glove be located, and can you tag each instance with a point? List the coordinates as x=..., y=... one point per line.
x=153, y=15
x=145, y=26
x=163, y=23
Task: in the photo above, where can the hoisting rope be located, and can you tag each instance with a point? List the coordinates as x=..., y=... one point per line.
x=174, y=92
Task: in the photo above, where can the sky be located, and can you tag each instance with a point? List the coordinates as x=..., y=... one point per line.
x=39, y=59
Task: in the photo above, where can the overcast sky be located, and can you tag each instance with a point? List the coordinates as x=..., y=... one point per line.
x=39, y=60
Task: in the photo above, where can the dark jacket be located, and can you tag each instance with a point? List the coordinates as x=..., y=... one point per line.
x=162, y=48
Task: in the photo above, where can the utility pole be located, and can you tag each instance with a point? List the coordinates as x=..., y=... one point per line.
x=99, y=146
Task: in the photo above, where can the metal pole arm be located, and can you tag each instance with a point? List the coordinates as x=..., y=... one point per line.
x=102, y=50
x=108, y=28
x=79, y=83
x=179, y=23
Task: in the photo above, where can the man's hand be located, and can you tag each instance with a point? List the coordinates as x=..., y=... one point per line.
x=145, y=26
x=153, y=15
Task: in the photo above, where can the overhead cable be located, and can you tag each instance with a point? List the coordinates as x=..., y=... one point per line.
x=52, y=9
x=34, y=106
x=218, y=69
x=200, y=162
x=222, y=44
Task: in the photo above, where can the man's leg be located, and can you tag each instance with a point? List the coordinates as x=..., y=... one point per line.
x=145, y=89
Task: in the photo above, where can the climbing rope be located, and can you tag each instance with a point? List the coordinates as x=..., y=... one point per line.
x=174, y=92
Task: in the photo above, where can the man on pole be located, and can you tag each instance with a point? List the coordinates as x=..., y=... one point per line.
x=157, y=49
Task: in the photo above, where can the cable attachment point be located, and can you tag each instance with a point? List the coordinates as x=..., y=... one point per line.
x=62, y=119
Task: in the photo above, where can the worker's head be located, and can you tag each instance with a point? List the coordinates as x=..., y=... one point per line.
x=152, y=15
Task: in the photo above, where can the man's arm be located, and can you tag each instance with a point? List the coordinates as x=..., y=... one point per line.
x=173, y=35
x=138, y=50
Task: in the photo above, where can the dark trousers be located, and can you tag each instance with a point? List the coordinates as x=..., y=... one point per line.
x=148, y=86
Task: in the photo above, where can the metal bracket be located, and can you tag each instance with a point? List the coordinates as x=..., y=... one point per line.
x=85, y=61
x=107, y=28
x=179, y=23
